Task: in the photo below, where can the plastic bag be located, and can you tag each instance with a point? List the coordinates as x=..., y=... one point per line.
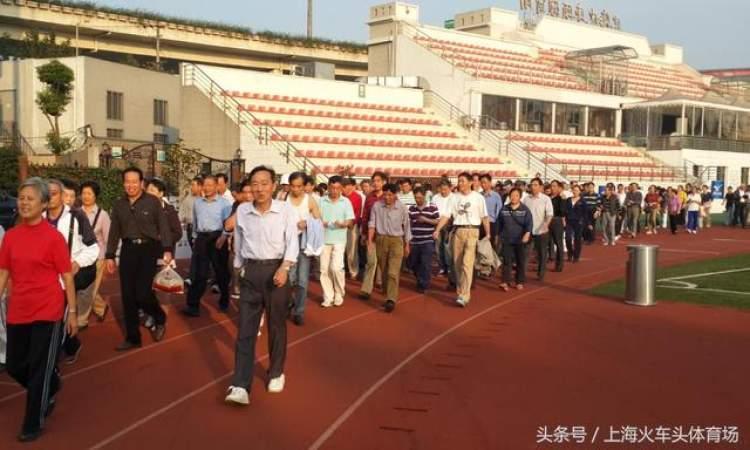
x=168, y=280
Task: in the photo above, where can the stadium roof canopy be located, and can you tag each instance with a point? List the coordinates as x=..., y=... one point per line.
x=612, y=53
x=710, y=100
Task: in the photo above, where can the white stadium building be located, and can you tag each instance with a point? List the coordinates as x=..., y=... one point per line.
x=509, y=93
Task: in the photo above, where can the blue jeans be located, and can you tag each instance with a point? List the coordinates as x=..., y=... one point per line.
x=692, y=220
x=421, y=263
x=730, y=215
x=299, y=277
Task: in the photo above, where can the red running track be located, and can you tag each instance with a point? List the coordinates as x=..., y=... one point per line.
x=430, y=376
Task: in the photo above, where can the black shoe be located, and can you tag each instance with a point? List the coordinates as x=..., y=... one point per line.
x=540, y=277
x=71, y=359
x=127, y=346
x=29, y=436
x=420, y=289
x=190, y=312
x=389, y=306
x=364, y=296
x=2, y=367
x=298, y=320
x=158, y=331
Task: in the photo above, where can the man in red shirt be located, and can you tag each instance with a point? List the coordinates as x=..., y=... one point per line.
x=352, y=235
x=379, y=179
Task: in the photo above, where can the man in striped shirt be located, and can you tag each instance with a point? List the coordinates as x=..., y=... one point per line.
x=423, y=218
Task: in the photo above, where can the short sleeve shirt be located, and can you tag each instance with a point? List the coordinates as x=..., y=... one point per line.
x=35, y=256
x=466, y=210
x=336, y=211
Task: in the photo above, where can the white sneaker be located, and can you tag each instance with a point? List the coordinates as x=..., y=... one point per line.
x=276, y=385
x=237, y=395
x=326, y=304
x=606, y=243
x=461, y=302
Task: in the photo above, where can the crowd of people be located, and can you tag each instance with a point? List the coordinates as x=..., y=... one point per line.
x=261, y=242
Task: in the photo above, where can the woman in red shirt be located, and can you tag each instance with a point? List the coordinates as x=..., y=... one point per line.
x=33, y=257
x=653, y=200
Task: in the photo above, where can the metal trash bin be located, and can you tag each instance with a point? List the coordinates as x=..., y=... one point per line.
x=640, y=276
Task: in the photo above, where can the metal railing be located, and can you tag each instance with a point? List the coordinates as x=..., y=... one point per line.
x=658, y=143
x=265, y=134
x=413, y=33
x=487, y=133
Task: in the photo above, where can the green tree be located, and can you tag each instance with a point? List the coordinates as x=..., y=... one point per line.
x=53, y=99
x=33, y=45
x=181, y=164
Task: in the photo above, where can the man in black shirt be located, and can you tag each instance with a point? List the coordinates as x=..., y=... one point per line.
x=557, y=226
x=729, y=205
x=138, y=219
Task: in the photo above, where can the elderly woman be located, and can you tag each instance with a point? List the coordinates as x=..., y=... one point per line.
x=89, y=299
x=33, y=257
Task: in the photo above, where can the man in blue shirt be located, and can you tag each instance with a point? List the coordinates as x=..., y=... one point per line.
x=338, y=215
x=210, y=247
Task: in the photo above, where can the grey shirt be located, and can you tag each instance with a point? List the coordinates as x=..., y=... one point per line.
x=390, y=221
x=541, y=212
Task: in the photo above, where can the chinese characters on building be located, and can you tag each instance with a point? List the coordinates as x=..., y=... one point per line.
x=555, y=8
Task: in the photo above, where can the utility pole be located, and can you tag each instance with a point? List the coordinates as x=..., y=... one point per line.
x=309, y=19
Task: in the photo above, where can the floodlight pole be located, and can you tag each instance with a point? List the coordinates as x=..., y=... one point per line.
x=309, y=19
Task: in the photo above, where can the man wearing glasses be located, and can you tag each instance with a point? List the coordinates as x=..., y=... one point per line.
x=468, y=211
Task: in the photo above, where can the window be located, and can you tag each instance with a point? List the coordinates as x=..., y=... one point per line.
x=498, y=112
x=569, y=119
x=744, y=172
x=114, y=105
x=114, y=133
x=601, y=122
x=160, y=138
x=160, y=112
x=721, y=173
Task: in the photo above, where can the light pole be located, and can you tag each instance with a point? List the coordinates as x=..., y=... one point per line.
x=309, y=19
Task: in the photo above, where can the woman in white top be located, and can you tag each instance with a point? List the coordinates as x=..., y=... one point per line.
x=299, y=276
x=89, y=298
x=693, y=211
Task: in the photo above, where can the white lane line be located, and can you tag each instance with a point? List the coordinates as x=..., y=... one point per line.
x=126, y=355
x=366, y=395
x=718, y=291
x=705, y=274
x=216, y=381
x=679, y=250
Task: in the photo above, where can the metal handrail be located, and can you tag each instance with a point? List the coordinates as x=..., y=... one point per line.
x=266, y=134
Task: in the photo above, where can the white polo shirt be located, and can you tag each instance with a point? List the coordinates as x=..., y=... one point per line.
x=466, y=210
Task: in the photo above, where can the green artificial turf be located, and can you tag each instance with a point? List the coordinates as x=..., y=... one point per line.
x=736, y=285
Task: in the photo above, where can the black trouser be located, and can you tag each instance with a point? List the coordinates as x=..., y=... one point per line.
x=573, y=238
x=556, y=241
x=258, y=293
x=137, y=271
x=514, y=254
x=589, y=234
x=739, y=214
x=82, y=280
x=541, y=241
x=32, y=358
x=674, y=220
x=618, y=222
x=205, y=253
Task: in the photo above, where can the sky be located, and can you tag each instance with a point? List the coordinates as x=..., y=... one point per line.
x=713, y=33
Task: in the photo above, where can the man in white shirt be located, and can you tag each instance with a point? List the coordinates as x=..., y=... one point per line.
x=541, y=209
x=406, y=196
x=441, y=200
x=266, y=246
x=468, y=210
x=222, y=187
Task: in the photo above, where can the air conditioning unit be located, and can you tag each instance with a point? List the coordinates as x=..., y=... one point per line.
x=315, y=69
